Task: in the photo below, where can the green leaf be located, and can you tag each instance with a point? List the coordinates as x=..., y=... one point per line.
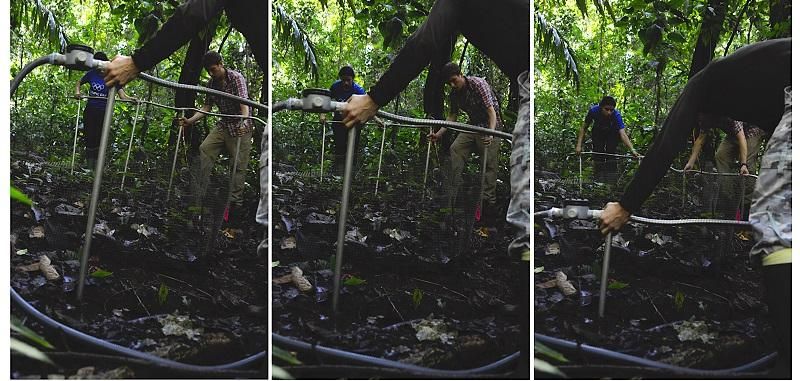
x=332, y=263
x=28, y=350
x=276, y=263
x=354, y=281
x=163, y=292
x=285, y=355
x=17, y=326
x=280, y=373
x=537, y=270
x=541, y=349
x=16, y=194
x=416, y=297
x=544, y=366
x=679, y=300
x=100, y=273
x=616, y=285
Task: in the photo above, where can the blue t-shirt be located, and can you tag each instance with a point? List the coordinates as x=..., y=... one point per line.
x=97, y=88
x=612, y=123
x=340, y=94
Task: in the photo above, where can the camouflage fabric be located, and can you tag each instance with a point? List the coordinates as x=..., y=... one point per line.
x=771, y=212
x=519, y=207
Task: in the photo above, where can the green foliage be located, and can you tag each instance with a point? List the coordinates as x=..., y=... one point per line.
x=163, y=293
x=18, y=327
x=354, y=281
x=679, y=300
x=100, y=273
x=17, y=195
x=29, y=351
x=416, y=298
x=617, y=285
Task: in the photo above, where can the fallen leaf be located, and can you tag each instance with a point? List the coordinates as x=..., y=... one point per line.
x=288, y=243
x=36, y=232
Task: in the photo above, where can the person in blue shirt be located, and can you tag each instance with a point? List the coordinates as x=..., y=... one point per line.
x=95, y=109
x=607, y=130
x=341, y=90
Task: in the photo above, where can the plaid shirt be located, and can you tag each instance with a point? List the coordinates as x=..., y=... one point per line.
x=233, y=83
x=474, y=99
x=729, y=126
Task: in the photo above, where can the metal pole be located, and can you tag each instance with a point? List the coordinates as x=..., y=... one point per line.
x=235, y=157
x=75, y=141
x=98, y=179
x=683, y=199
x=740, y=208
x=348, y=174
x=483, y=178
x=427, y=162
x=604, y=275
x=130, y=145
x=174, y=161
x=580, y=174
x=322, y=154
x=380, y=160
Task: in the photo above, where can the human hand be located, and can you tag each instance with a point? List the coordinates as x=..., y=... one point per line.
x=323, y=117
x=358, y=109
x=183, y=122
x=578, y=149
x=120, y=71
x=77, y=96
x=434, y=136
x=487, y=139
x=613, y=217
x=688, y=166
x=635, y=154
x=743, y=170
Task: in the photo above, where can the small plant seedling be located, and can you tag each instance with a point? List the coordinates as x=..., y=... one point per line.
x=163, y=292
x=353, y=281
x=416, y=297
x=679, y=299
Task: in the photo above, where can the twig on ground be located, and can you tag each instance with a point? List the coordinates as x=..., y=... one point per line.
x=178, y=280
x=710, y=292
x=437, y=284
x=138, y=298
x=654, y=306
x=386, y=294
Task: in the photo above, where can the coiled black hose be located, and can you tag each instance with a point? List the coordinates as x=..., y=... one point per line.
x=606, y=354
x=339, y=354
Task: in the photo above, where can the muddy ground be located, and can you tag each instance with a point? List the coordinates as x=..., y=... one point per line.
x=686, y=296
x=422, y=284
x=163, y=280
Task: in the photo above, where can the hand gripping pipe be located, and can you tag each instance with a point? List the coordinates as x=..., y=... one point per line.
x=286, y=342
x=53, y=325
x=616, y=357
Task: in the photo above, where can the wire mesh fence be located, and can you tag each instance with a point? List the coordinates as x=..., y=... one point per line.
x=155, y=197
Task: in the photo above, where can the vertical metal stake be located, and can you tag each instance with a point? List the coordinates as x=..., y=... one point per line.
x=427, y=161
x=380, y=160
x=174, y=161
x=683, y=198
x=98, y=179
x=604, y=275
x=348, y=174
x=322, y=154
x=130, y=145
x=483, y=178
x=580, y=174
x=75, y=141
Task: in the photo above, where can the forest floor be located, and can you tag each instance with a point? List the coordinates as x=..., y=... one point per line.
x=685, y=296
x=422, y=284
x=162, y=280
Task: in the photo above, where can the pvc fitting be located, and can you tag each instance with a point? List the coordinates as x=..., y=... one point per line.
x=79, y=57
x=319, y=101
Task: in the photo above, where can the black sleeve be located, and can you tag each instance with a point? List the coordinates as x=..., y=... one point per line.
x=435, y=37
x=746, y=85
x=189, y=18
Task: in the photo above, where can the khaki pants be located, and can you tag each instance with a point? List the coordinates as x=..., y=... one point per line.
x=212, y=146
x=460, y=150
x=731, y=186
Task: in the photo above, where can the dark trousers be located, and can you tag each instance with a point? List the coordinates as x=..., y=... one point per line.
x=340, y=141
x=605, y=167
x=778, y=288
x=92, y=130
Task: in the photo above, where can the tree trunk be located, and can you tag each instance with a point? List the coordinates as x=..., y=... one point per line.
x=709, y=35
x=779, y=13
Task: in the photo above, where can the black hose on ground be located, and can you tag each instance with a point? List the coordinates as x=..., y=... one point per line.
x=297, y=345
x=257, y=359
x=565, y=345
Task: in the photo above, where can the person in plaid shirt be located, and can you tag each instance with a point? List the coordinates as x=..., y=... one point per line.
x=475, y=97
x=228, y=131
